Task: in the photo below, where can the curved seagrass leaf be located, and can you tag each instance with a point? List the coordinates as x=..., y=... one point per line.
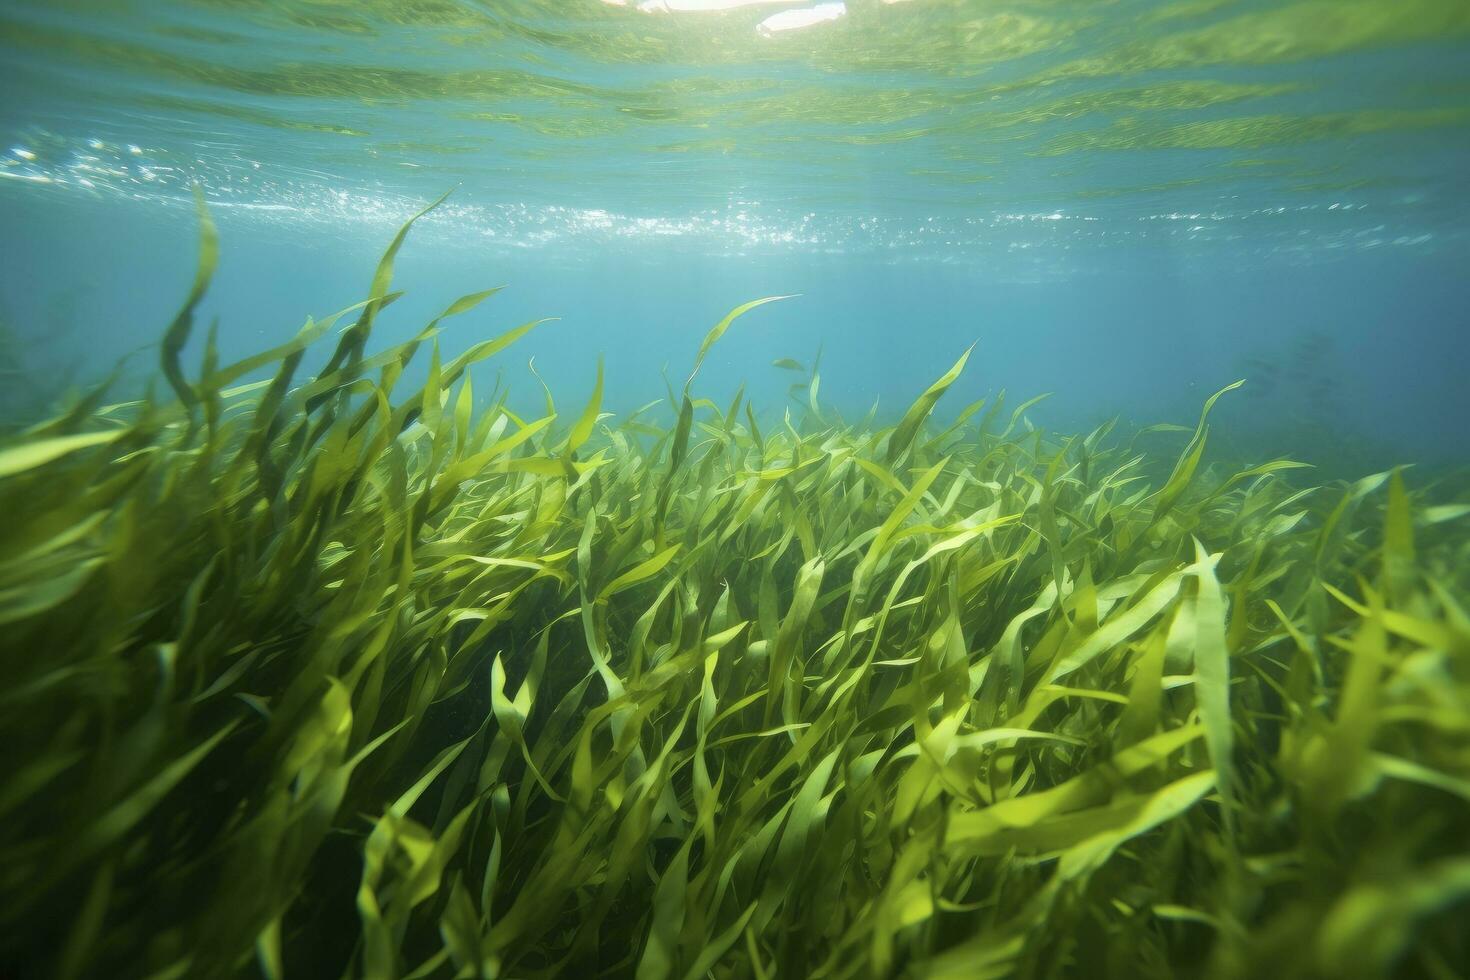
x=908, y=427
x=178, y=332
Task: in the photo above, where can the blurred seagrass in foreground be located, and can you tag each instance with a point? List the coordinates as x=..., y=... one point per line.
x=315, y=677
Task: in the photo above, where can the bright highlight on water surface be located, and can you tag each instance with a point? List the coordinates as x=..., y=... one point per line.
x=786, y=20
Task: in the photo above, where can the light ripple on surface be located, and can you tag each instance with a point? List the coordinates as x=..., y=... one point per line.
x=305, y=198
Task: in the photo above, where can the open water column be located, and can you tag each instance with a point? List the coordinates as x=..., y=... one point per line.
x=734, y=489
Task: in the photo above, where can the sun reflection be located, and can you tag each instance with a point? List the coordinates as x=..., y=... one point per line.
x=793, y=20
x=786, y=20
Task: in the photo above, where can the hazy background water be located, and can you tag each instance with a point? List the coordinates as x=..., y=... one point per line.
x=1127, y=203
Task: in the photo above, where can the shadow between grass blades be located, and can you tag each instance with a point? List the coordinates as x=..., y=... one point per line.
x=319, y=677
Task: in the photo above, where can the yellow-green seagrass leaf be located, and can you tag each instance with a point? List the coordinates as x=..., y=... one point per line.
x=1119, y=627
x=1188, y=462
x=908, y=427
x=127, y=812
x=582, y=429
x=718, y=330
x=640, y=572
x=30, y=455
x=178, y=332
x=1371, y=924
x=1142, y=816
x=1212, y=675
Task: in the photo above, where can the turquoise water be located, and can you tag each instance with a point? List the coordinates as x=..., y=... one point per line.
x=322, y=670
x=1127, y=204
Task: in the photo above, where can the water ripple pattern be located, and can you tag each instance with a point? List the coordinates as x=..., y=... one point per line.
x=923, y=129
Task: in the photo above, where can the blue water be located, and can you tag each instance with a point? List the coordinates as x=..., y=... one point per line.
x=1127, y=204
